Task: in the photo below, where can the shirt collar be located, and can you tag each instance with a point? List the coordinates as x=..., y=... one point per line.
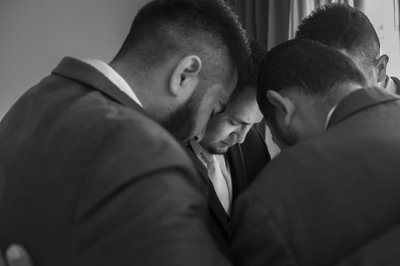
x=196, y=148
x=390, y=86
x=114, y=77
x=328, y=117
x=201, y=153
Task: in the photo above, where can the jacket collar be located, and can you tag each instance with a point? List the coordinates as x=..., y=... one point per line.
x=359, y=100
x=238, y=170
x=212, y=199
x=82, y=72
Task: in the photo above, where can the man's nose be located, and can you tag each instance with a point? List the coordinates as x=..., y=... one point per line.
x=199, y=137
x=243, y=133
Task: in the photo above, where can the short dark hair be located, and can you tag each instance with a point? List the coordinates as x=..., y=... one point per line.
x=309, y=66
x=341, y=26
x=249, y=78
x=163, y=28
x=257, y=54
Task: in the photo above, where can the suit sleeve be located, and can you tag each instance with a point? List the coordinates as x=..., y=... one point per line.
x=157, y=219
x=255, y=154
x=257, y=239
x=142, y=204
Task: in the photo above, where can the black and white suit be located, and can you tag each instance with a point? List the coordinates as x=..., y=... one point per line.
x=245, y=162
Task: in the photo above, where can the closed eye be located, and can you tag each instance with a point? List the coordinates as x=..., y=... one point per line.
x=220, y=110
x=234, y=123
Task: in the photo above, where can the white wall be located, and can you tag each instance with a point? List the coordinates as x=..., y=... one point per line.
x=36, y=34
x=385, y=18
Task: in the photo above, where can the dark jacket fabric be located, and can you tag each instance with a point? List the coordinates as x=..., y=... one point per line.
x=245, y=161
x=330, y=200
x=90, y=179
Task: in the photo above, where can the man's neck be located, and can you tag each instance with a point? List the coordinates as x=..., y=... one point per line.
x=132, y=77
x=115, y=77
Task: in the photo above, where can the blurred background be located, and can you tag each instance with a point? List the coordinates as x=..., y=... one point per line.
x=37, y=34
x=272, y=22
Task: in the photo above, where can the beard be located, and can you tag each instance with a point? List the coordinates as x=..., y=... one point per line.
x=283, y=138
x=182, y=122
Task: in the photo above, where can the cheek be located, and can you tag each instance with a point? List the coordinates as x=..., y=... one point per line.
x=216, y=133
x=208, y=102
x=223, y=134
x=227, y=132
x=206, y=106
x=203, y=111
x=276, y=132
x=203, y=116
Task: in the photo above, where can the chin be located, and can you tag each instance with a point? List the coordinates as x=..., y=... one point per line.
x=218, y=150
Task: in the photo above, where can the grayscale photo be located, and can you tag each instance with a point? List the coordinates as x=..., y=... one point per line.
x=200, y=133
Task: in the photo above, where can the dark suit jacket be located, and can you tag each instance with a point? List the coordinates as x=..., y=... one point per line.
x=90, y=179
x=261, y=128
x=330, y=200
x=245, y=162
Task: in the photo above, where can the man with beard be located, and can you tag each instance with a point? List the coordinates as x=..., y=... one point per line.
x=349, y=30
x=332, y=198
x=232, y=153
x=90, y=177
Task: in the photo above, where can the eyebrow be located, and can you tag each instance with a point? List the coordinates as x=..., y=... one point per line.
x=223, y=108
x=248, y=124
x=240, y=121
x=234, y=118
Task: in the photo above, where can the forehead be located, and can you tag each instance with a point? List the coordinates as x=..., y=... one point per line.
x=244, y=108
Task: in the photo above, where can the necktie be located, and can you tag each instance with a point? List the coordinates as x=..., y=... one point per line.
x=217, y=178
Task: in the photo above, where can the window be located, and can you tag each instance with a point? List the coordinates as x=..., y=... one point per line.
x=384, y=15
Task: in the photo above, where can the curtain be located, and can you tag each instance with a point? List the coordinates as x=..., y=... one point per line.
x=271, y=22
x=396, y=4
x=260, y=17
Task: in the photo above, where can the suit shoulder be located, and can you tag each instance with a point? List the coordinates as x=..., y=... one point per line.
x=254, y=143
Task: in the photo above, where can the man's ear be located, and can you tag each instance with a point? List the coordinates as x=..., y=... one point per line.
x=185, y=76
x=381, y=67
x=283, y=105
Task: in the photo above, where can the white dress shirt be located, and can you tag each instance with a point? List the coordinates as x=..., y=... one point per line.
x=114, y=77
x=328, y=117
x=218, y=172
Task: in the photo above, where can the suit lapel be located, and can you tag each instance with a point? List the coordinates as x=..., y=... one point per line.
x=238, y=170
x=359, y=100
x=199, y=166
x=219, y=211
x=213, y=200
x=84, y=73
